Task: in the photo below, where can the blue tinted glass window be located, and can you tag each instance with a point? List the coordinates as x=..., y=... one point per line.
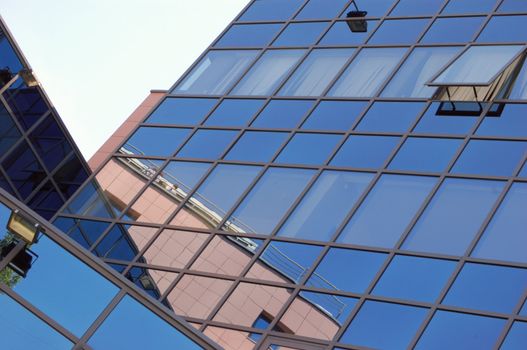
x=73, y=294
x=186, y=111
x=308, y=149
x=91, y=202
x=361, y=267
x=341, y=34
x=257, y=146
x=398, y=31
x=267, y=10
x=517, y=337
x=23, y=169
x=512, y=6
x=8, y=57
x=469, y=6
x=414, y=278
x=26, y=103
x=375, y=8
x=487, y=287
x=334, y=115
x=155, y=141
x=384, y=325
x=282, y=114
x=453, y=30
x=316, y=72
x=234, y=112
x=523, y=311
x=208, y=144
x=216, y=72
x=248, y=35
x=338, y=307
x=360, y=151
x=121, y=330
x=50, y=142
x=425, y=154
x=70, y=176
x=268, y=201
x=300, y=34
x=438, y=120
x=387, y=211
x=84, y=232
x=183, y=175
x=268, y=73
x=416, y=8
x=523, y=172
x=510, y=122
x=9, y=133
x=47, y=201
x=494, y=32
x=504, y=238
x=390, y=117
x=17, y=319
x=325, y=205
x=443, y=227
x=117, y=244
x=452, y=330
x=486, y=157
x=322, y=9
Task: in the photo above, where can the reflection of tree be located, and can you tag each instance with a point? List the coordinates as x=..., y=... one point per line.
x=8, y=276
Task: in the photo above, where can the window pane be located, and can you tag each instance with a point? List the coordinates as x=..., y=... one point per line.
x=367, y=72
x=167, y=141
x=84, y=232
x=469, y=6
x=435, y=121
x=23, y=169
x=300, y=34
x=8, y=56
x=182, y=175
x=311, y=149
x=270, y=199
x=9, y=133
x=515, y=29
x=26, y=103
x=425, y=154
x=257, y=146
x=282, y=114
x=268, y=73
x=485, y=157
x=375, y=8
x=334, y=115
x=387, y=211
x=512, y=6
x=360, y=151
x=413, y=278
x=248, y=35
x=49, y=141
x=505, y=238
x=325, y=205
x=186, y=111
x=517, y=336
x=417, y=8
x=340, y=34
x=390, y=117
x=234, y=112
x=453, y=30
x=444, y=228
x=316, y=72
x=399, y=31
x=209, y=144
x=478, y=65
x=322, y=9
x=519, y=90
x=452, y=330
x=268, y=10
x=419, y=67
x=511, y=122
x=384, y=325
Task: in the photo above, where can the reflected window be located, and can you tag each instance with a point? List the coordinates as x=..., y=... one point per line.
x=334, y=115
x=313, y=149
x=387, y=211
x=47, y=201
x=300, y=34
x=85, y=232
x=167, y=140
x=435, y=121
x=511, y=122
x=469, y=6
x=361, y=151
x=124, y=242
x=390, y=117
x=340, y=34
x=234, y=112
x=257, y=146
x=366, y=73
x=493, y=31
x=216, y=72
x=26, y=103
x=248, y=35
x=316, y=72
x=23, y=169
x=271, y=10
x=417, y=8
x=453, y=30
x=50, y=142
x=399, y=31
x=207, y=144
x=322, y=9
x=184, y=111
x=283, y=114
x=9, y=133
x=517, y=336
x=90, y=201
x=444, y=228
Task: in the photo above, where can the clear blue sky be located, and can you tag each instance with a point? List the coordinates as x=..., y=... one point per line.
x=98, y=59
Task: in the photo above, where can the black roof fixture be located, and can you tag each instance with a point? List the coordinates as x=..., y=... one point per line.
x=356, y=21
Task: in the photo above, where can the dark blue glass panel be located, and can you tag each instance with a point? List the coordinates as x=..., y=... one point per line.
x=361, y=267
x=334, y=115
x=91, y=202
x=248, y=35
x=512, y=6
x=390, y=117
x=443, y=227
x=70, y=176
x=74, y=294
x=486, y=157
x=386, y=212
x=208, y=144
x=425, y=154
x=417, y=8
x=18, y=319
x=414, y=278
x=453, y=30
x=311, y=149
x=8, y=57
x=234, y=112
x=510, y=122
x=9, y=133
x=50, y=142
x=340, y=34
x=517, y=336
x=267, y=10
x=257, y=146
x=117, y=244
x=186, y=111
x=122, y=331
x=155, y=141
x=282, y=114
x=360, y=151
x=398, y=31
x=384, y=325
x=505, y=29
x=325, y=205
x=487, y=287
x=434, y=121
x=84, y=232
x=322, y=9
x=457, y=331
x=23, y=169
x=26, y=103
x=47, y=201
x=469, y=6
x=504, y=238
x=300, y=34
x=5, y=185
x=184, y=175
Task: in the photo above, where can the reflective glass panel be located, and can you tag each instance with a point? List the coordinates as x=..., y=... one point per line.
x=334, y=115
x=9, y=133
x=519, y=89
x=49, y=141
x=248, y=35
x=84, y=232
x=185, y=111
x=416, y=8
x=267, y=10
x=321, y=9
x=387, y=211
x=47, y=201
x=390, y=117
x=234, y=112
x=181, y=176
x=515, y=29
x=167, y=140
x=8, y=57
x=257, y=146
x=440, y=119
x=361, y=151
x=468, y=6
x=341, y=34
x=375, y=8
x=443, y=227
x=282, y=114
x=517, y=337
x=300, y=34
x=510, y=122
x=453, y=30
x=208, y=144
x=513, y=6
x=311, y=149
x=23, y=169
x=26, y=103
x=398, y=31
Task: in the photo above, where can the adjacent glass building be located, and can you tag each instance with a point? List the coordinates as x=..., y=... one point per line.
x=319, y=180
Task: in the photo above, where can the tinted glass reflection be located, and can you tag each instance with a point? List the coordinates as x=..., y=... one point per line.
x=375, y=8
x=399, y=31
x=494, y=32
x=321, y=9
x=453, y=30
x=300, y=34
x=234, y=112
x=207, y=144
x=416, y=7
x=390, y=117
x=517, y=336
x=510, y=122
x=468, y=6
x=84, y=232
x=271, y=10
x=361, y=151
x=340, y=34
x=282, y=114
x=334, y=115
x=248, y=35
x=186, y=111
x=167, y=141
x=437, y=120
x=308, y=149
x=23, y=169
x=9, y=133
x=249, y=147
x=50, y=142
x=512, y=6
